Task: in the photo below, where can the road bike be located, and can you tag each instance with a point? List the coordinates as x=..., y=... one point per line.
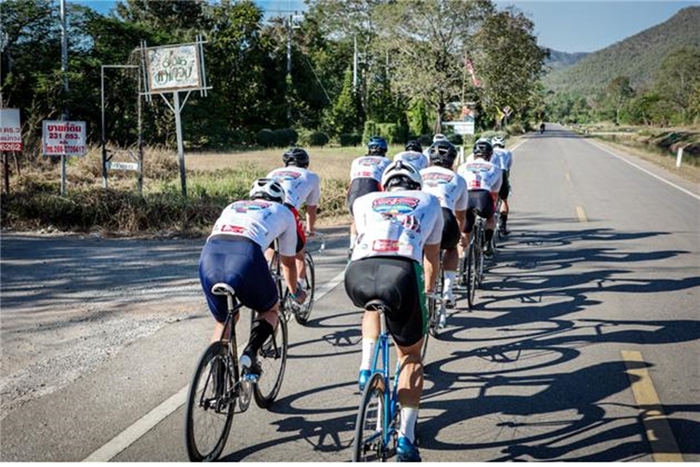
x=301, y=312
x=436, y=309
x=471, y=268
x=378, y=416
x=219, y=384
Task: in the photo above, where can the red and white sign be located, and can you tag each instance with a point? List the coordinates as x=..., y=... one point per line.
x=64, y=138
x=10, y=130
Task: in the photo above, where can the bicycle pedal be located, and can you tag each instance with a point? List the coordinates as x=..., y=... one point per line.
x=245, y=395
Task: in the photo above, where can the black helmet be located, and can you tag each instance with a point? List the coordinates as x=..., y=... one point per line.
x=442, y=153
x=377, y=146
x=296, y=156
x=483, y=148
x=414, y=145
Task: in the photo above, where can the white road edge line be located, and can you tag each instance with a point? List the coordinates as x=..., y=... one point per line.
x=644, y=170
x=142, y=426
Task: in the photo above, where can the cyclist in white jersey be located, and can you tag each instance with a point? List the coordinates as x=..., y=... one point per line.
x=505, y=160
x=398, y=230
x=414, y=156
x=233, y=254
x=366, y=176
x=301, y=186
x=451, y=190
x=484, y=180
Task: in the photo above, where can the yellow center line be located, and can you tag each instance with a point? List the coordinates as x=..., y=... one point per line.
x=658, y=431
x=581, y=214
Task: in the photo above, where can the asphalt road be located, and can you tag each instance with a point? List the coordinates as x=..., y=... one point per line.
x=584, y=345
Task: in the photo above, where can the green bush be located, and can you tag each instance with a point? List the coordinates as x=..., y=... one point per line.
x=349, y=139
x=369, y=130
x=284, y=137
x=318, y=138
x=391, y=132
x=265, y=138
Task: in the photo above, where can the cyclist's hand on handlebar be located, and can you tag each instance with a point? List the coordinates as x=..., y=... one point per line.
x=463, y=241
x=310, y=233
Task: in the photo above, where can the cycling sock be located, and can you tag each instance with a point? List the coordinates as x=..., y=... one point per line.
x=260, y=331
x=367, y=353
x=504, y=219
x=409, y=417
x=489, y=236
x=449, y=279
x=353, y=239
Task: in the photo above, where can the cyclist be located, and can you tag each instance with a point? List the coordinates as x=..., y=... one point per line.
x=398, y=229
x=542, y=127
x=413, y=155
x=451, y=190
x=366, y=176
x=504, y=158
x=484, y=180
x=301, y=185
x=233, y=253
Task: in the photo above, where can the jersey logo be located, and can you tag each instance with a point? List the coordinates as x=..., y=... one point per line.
x=286, y=175
x=385, y=245
x=370, y=161
x=437, y=177
x=234, y=229
x=395, y=204
x=252, y=205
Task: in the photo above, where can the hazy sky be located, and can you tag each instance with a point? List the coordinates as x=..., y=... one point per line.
x=564, y=25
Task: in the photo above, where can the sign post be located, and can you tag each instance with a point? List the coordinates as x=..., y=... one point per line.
x=172, y=69
x=10, y=139
x=63, y=138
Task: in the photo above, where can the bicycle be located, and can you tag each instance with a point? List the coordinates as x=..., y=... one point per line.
x=471, y=268
x=378, y=416
x=218, y=384
x=436, y=308
x=301, y=312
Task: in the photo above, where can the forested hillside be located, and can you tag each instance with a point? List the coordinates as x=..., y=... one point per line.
x=558, y=60
x=639, y=57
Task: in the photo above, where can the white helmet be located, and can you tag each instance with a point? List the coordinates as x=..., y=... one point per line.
x=498, y=141
x=400, y=173
x=267, y=188
x=439, y=137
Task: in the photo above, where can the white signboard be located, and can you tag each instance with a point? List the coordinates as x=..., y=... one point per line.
x=173, y=68
x=123, y=165
x=10, y=130
x=462, y=128
x=64, y=138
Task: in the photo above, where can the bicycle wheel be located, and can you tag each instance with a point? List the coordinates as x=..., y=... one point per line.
x=368, y=444
x=432, y=311
x=303, y=311
x=471, y=273
x=210, y=407
x=272, y=360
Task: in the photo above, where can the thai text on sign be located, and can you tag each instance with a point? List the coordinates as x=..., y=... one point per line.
x=64, y=138
x=10, y=130
x=173, y=68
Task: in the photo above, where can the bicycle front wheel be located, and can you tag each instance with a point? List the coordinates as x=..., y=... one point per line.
x=471, y=274
x=369, y=443
x=272, y=359
x=303, y=311
x=210, y=405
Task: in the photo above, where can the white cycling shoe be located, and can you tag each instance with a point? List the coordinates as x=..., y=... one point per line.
x=448, y=299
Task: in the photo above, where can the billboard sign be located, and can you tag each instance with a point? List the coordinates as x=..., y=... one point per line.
x=10, y=130
x=174, y=68
x=61, y=138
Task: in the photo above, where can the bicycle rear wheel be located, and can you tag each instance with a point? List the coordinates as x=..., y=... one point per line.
x=368, y=444
x=272, y=360
x=210, y=405
x=431, y=326
x=303, y=311
x=471, y=273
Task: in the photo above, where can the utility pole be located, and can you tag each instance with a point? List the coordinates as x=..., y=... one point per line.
x=64, y=73
x=289, y=69
x=354, y=65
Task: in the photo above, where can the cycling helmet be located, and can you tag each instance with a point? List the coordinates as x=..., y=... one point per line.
x=414, y=145
x=267, y=188
x=498, y=141
x=442, y=153
x=377, y=146
x=401, y=174
x=439, y=137
x=296, y=156
x=483, y=148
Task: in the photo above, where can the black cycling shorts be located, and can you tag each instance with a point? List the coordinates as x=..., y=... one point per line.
x=505, y=186
x=450, y=230
x=360, y=187
x=399, y=283
x=239, y=262
x=482, y=201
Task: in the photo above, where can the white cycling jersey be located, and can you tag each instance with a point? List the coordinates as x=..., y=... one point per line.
x=396, y=223
x=369, y=167
x=481, y=174
x=447, y=186
x=416, y=159
x=503, y=158
x=261, y=221
x=300, y=185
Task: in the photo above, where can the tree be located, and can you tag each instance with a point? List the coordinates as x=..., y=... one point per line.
x=428, y=41
x=346, y=114
x=678, y=82
x=619, y=92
